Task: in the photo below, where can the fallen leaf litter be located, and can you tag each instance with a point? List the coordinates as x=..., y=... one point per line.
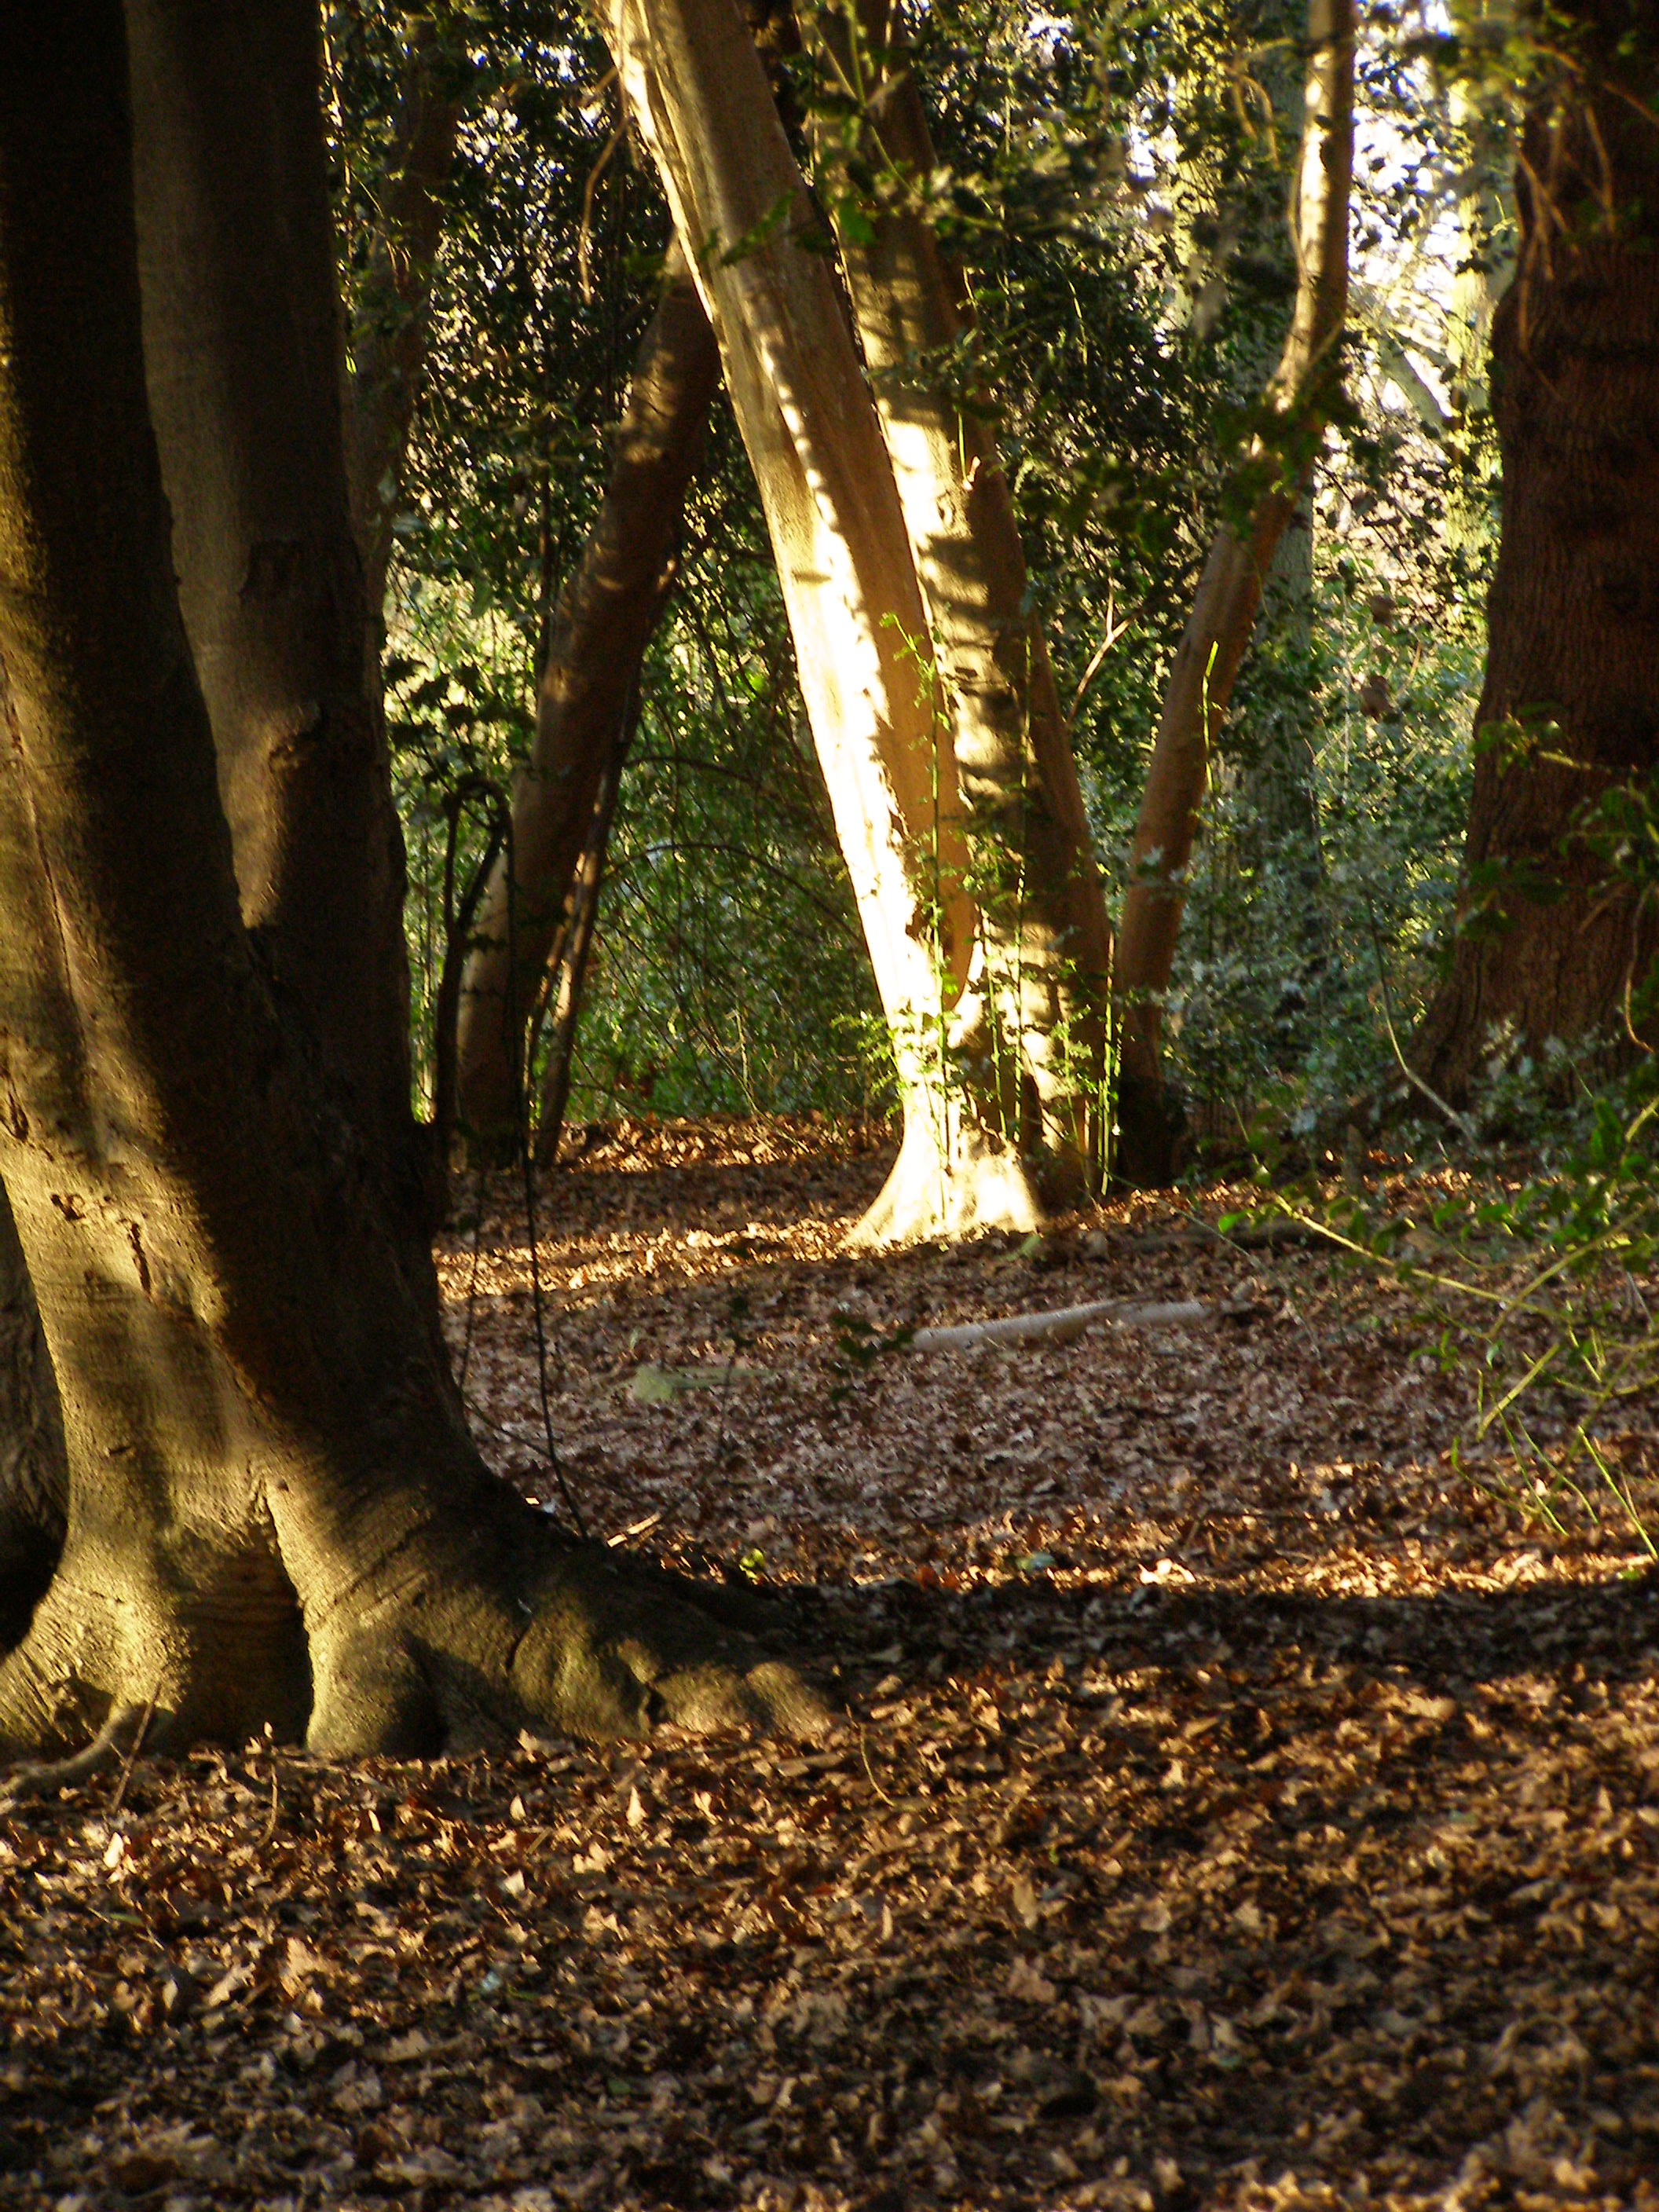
x=1235, y=1809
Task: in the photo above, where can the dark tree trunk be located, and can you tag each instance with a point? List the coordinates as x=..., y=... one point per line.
x=568, y=971
x=242, y=350
x=274, y=1511
x=33, y=1481
x=390, y=325
x=1571, y=704
x=590, y=675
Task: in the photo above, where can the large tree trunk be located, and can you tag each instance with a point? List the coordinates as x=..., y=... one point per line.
x=274, y=1511
x=390, y=327
x=1571, y=703
x=695, y=85
x=242, y=350
x=1045, y=940
x=1297, y=406
x=590, y=676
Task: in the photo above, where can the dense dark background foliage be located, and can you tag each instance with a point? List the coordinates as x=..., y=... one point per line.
x=1115, y=186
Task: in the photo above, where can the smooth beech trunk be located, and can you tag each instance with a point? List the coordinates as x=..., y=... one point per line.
x=589, y=682
x=1545, y=947
x=274, y=1512
x=695, y=84
x=1045, y=942
x=1297, y=403
x=242, y=351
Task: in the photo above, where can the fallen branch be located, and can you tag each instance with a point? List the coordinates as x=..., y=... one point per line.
x=1063, y=1326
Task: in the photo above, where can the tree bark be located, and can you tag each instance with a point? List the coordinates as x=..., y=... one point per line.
x=1296, y=405
x=390, y=327
x=242, y=350
x=568, y=971
x=1045, y=941
x=274, y=1511
x=1570, y=702
x=33, y=1479
x=606, y=614
x=695, y=86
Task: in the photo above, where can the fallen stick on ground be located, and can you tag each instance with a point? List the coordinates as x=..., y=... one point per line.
x=1062, y=1326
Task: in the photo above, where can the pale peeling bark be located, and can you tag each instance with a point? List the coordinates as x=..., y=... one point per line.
x=275, y=1514
x=589, y=679
x=1297, y=402
x=1046, y=945
x=695, y=84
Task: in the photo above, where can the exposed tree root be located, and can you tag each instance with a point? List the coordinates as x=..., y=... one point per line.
x=121, y=1737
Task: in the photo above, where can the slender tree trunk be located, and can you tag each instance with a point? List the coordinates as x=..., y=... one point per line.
x=569, y=970
x=1571, y=703
x=274, y=1511
x=1046, y=945
x=242, y=352
x=591, y=672
x=391, y=322
x=1297, y=405
x=695, y=86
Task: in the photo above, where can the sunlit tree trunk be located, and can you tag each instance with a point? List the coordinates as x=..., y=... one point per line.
x=1262, y=499
x=274, y=1512
x=695, y=86
x=1571, y=704
x=1045, y=943
x=590, y=678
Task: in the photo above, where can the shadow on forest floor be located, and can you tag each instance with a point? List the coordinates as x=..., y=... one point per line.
x=1235, y=1806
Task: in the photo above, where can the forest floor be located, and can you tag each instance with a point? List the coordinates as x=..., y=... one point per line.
x=1235, y=1806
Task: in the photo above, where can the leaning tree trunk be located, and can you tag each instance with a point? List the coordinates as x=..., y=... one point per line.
x=1045, y=942
x=590, y=676
x=1297, y=405
x=242, y=350
x=695, y=86
x=274, y=1512
x=1544, y=948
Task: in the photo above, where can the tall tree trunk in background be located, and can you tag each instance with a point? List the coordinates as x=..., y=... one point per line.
x=1571, y=703
x=275, y=1513
x=242, y=354
x=1297, y=405
x=590, y=676
x=1045, y=940
x=695, y=85
x=567, y=969
x=391, y=321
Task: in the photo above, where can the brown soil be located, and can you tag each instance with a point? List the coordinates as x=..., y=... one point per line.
x=1236, y=1806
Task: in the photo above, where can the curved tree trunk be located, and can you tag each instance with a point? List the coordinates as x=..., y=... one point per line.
x=1571, y=703
x=695, y=86
x=1045, y=941
x=274, y=1511
x=1297, y=406
x=590, y=674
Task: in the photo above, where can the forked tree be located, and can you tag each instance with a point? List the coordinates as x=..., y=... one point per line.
x=1547, y=946
x=274, y=1511
x=953, y=791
